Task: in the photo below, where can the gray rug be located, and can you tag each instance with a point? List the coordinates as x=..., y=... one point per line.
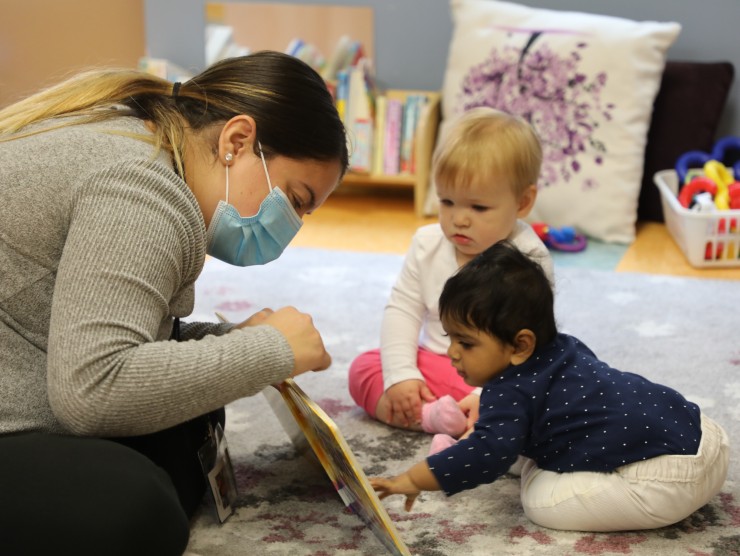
x=681, y=332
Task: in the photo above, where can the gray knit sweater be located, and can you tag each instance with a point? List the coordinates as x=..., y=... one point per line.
x=100, y=245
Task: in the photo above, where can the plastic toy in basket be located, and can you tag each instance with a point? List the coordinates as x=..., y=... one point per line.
x=725, y=150
x=716, y=175
x=707, y=236
x=560, y=239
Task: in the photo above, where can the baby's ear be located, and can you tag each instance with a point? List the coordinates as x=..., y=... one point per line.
x=526, y=201
x=524, y=344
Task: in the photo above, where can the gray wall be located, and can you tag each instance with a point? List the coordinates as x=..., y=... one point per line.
x=412, y=36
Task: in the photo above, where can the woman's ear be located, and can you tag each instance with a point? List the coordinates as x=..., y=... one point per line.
x=526, y=201
x=524, y=344
x=237, y=134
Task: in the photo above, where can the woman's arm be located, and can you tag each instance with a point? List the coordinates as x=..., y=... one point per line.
x=128, y=251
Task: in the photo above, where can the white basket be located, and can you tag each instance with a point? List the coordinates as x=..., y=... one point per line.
x=709, y=240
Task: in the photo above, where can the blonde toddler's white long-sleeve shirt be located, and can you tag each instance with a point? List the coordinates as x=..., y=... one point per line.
x=411, y=317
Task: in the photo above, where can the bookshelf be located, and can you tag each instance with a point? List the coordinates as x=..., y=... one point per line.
x=425, y=137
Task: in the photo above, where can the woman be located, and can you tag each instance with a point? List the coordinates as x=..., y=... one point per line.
x=113, y=187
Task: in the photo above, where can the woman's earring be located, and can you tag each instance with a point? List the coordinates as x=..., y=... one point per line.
x=229, y=157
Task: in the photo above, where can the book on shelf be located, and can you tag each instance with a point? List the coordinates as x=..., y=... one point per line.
x=359, y=117
x=382, y=126
x=346, y=54
x=392, y=134
x=378, y=135
x=341, y=96
x=412, y=111
x=306, y=52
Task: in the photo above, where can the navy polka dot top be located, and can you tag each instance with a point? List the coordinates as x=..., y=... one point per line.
x=568, y=411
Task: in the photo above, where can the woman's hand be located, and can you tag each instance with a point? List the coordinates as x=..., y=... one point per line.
x=257, y=318
x=405, y=400
x=305, y=340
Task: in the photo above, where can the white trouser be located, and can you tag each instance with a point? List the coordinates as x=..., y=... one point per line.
x=642, y=495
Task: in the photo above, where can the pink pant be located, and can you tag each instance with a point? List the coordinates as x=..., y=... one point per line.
x=366, y=378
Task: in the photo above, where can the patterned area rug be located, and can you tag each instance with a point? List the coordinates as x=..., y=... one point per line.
x=681, y=332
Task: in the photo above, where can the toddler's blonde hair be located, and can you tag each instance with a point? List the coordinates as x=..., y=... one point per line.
x=485, y=144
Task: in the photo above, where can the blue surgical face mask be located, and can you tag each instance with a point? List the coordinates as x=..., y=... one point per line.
x=253, y=240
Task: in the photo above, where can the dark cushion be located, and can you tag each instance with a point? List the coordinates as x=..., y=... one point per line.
x=686, y=115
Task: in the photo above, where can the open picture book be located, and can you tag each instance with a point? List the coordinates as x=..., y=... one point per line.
x=314, y=433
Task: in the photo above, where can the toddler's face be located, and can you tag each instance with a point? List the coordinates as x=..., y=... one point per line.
x=476, y=356
x=475, y=216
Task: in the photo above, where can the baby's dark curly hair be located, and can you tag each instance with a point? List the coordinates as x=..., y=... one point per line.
x=500, y=292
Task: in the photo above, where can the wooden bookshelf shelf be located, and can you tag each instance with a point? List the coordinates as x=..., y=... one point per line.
x=355, y=178
x=425, y=140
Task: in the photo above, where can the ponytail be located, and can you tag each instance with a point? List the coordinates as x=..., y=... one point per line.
x=290, y=103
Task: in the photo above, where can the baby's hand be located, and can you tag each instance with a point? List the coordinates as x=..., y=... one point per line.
x=405, y=400
x=401, y=484
x=470, y=406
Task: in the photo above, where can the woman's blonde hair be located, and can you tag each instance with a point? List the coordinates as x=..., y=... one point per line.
x=290, y=103
x=485, y=144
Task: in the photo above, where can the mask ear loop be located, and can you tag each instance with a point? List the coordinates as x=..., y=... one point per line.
x=264, y=165
x=228, y=157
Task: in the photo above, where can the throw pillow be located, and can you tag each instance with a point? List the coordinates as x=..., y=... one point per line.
x=587, y=84
x=686, y=115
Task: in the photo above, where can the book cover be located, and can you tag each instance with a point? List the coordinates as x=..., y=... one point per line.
x=316, y=435
x=337, y=459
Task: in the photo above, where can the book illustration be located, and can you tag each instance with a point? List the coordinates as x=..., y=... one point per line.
x=296, y=411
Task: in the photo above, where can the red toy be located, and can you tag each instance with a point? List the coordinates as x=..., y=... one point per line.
x=560, y=239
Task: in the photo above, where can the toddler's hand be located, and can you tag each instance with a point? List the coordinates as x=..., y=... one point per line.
x=401, y=484
x=470, y=406
x=406, y=399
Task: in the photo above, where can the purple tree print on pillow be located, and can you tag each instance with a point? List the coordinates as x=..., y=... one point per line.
x=563, y=104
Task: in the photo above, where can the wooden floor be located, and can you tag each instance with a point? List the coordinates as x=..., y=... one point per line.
x=383, y=220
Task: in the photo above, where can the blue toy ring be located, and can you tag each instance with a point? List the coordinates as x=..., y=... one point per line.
x=689, y=160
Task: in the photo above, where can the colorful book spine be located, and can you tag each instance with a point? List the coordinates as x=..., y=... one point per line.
x=393, y=124
x=407, y=133
x=342, y=94
x=421, y=109
x=379, y=135
x=360, y=120
x=362, y=146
